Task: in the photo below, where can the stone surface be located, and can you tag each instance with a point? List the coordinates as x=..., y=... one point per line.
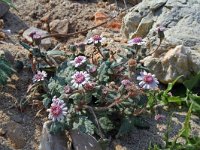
x=59, y=26
x=82, y=141
x=4, y=9
x=45, y=43
x=52, y=142
x=177, y=61
x=15, y=132
x=157, y=4
x=182, y=21
x=7, y=54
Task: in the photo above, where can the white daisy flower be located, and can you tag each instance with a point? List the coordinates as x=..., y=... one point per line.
x=96, y=39
x=39, y=76
x=57, y=111
x=80, y=78
x=148, y=81
x=78, y=61
x=136, y=41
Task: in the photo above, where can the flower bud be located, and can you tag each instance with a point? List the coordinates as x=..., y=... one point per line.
x=126, y=82
x=132, y=63
x=36, y=38
x=105, y=91
x=93, y=69
x=106, y=54
x=160, y=30
x=89, y=86
x=81, y=47
x=67, y=89
x=72, y=48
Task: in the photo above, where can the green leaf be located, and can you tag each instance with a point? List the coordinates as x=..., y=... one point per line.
x=126, y=126
x=106, y=123
x=84, y=125
x=26, y=46
x=46, y=102
x=175, y=99
x=170, y=85
x=185, y=131
x=151, y=100
x=56, y=52
x=128, y=123
x=6, y=71
x=192, y=82
x=140, y=123
x=9, y=2
x=196, y=102
x=56, y=127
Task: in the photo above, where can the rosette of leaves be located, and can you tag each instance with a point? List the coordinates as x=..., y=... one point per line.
x=103, y=108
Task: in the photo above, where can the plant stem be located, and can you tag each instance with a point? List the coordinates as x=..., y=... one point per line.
x=156, y=47
x=99, y=51
x=97, y=122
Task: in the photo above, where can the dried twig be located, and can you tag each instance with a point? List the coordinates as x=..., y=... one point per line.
x=97, y=122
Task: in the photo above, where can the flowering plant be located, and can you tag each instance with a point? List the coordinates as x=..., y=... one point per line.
x=101, y=96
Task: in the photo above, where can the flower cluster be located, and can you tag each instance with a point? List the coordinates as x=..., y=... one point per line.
x=57, y=111
x=103, y=85
x=40, y=76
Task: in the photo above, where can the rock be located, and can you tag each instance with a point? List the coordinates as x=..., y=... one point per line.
x=4, y=9
x=114, y=25
x=59, y=26
x=45, y=43
x=8, y=55
x=2, y=132
x=130, y=23
x=157, y=4
x=46, y=18
x=1, y=23
x=100, y=17
x=52, y=142
x=15, y=132
x=176, y=62
x=2, y=36
x=82, y=141
x=144, y=27
x=182, y=21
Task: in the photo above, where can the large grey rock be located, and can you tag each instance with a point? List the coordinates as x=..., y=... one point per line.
x=52, y=142
x=157, y=4
x=82, y=141
x=176, y=62
x=182, y=21
x=4, y=8
x=45, y=43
